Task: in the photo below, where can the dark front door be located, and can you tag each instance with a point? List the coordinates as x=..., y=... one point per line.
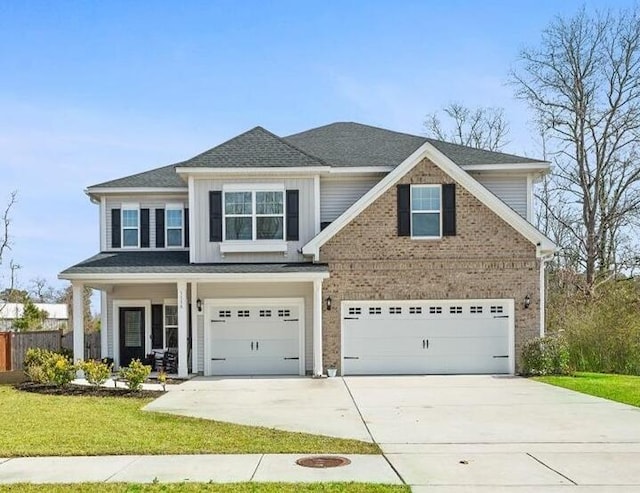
x=131, y=335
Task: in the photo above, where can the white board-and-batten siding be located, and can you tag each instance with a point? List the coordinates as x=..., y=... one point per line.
x=208, y=251
x=151, y=202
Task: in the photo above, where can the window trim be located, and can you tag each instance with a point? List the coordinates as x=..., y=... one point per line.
x=169, y=302
x=278, y=244
x=425, y=211
x=173, y=207
x=129, y=207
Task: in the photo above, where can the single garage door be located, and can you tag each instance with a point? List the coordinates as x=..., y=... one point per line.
x=427, y=337
x=254, y=338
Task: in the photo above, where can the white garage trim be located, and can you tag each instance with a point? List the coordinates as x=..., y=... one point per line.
x=509, y=304
x=212, y=304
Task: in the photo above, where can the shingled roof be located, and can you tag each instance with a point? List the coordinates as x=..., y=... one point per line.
x=355, y=144
x=341, y=144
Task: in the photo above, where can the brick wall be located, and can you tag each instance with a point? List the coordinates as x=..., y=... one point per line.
x=486, y=259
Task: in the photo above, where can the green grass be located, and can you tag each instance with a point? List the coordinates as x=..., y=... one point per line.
x=208, y=488
x=37, y=425
x=620, y=388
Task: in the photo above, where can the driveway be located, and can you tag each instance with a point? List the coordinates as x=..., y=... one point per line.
x=444, y=433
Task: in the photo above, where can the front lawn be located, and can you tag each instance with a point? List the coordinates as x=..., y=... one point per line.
x=620, y=388
x=206, y=488
x=37, y=425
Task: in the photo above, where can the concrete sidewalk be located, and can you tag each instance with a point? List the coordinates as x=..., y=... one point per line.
x=194, y=468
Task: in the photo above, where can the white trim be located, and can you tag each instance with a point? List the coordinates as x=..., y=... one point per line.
x=253, y=187
x=316, y=204
x=212, y=277
x=134, y=190
x=175, y=206
x=258, y=188
x=240, y=246
x=104, y=325
x=129, y=206
x=428, y=151
x=425, y=211
x=348, y=170
x=210, y=304
x=317, y=328
x=192, y=221
x=509, y=302
x=115, y=326
x=183, y=329
x=516, y=167
x=77, y=289
x=103, y=223
x=195, y=322
x=286, y=170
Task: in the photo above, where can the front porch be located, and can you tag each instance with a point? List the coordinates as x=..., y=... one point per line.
x=265, y=322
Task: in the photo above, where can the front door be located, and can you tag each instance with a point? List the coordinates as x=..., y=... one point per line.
x=131, y=335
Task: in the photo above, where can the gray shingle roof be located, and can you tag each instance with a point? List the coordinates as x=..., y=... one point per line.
x=176, y=262
x=341, y=144
x=355, y=144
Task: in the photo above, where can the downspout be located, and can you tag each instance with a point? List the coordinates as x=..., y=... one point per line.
x=543, y=292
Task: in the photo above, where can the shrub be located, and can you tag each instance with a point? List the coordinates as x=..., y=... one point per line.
x=546, y=356
x=135, y=374
x=96, y=372
x=46, y=367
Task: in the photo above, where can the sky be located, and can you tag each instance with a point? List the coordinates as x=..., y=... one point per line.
x=91, y=91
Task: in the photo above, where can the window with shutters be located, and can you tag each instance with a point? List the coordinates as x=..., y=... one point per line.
x=174, y=217
x=252, y=215
x=130, y=225
x=426, y=211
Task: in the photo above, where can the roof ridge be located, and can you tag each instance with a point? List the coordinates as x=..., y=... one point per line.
x=294, y=147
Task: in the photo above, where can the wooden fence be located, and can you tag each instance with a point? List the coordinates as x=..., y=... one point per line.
x=14, y=345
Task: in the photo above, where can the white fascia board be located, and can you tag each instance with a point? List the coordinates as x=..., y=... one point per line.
x=285, y=170
x=460, y=176
x=142, y=278
x=356, y=170
x=510, y=167
x=135, y=190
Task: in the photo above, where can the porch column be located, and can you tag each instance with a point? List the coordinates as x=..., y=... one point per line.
x=317, y=328
x=78, y=321
x=183, y=330
x=104, y=320
x=194, y=327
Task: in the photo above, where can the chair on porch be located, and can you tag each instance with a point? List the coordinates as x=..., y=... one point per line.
x=170, y=360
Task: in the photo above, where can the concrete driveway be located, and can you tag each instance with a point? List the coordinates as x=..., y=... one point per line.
x=444, y=433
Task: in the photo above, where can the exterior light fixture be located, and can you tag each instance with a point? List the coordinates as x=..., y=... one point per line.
x=527, y=301
x=328, y=301
x=199, y=304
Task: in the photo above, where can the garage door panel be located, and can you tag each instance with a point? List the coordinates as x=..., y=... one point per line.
x=426, y=336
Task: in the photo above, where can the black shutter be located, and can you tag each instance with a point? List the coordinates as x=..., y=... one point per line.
x=159, y=228
x=156, y=327
x=215, y=215
x=115, y=229
x=186, y=228
x=449, y=209
x=144, y=228
x=293, y=216
x=404, y=210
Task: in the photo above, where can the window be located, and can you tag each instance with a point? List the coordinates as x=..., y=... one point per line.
x=171, y=326
x=415, y=310
x=130, y=226
x=375, y=310
x=425, y=211
x=254, y=215
x=173, y=220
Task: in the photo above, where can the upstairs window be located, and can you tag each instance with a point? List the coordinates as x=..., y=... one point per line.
x=425, y=211
x=254, y=215
x=174, y=225
x=130, y=226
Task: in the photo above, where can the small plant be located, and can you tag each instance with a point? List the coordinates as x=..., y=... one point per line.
x=96, y=372
x=135, y=374
x=48, y=367
x=63, y=370
x=547, y=355
x=162, y=379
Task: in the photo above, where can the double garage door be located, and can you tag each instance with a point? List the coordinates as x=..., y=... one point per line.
x=427, y=337
x=259, y=337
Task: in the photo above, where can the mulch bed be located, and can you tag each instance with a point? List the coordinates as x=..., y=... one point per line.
x=86, y=390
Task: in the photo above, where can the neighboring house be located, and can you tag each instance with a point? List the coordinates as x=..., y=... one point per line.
x=57, y=315
x=346, y=246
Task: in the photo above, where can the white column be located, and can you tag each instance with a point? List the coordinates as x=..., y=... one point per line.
x=194, y=326
x=78, y=321
x=317, y=328
x=104, y=321
x=183, y=330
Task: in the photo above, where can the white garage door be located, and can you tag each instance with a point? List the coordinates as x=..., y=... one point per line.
x=427, y=337
x=254, y=338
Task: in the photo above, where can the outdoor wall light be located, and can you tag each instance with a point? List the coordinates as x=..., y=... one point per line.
x=199, y=304
x=527, y=301
x=328, y=300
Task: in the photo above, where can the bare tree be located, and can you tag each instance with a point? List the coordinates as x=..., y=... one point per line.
x=583, y=84
x=483, y=128
x=41, y=291
x=5, y=242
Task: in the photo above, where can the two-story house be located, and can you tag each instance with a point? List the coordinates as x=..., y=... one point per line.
x=346, y=246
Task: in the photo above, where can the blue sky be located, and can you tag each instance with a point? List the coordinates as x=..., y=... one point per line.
x=91, y=91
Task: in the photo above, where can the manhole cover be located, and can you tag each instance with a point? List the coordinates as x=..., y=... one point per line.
x=323, y=461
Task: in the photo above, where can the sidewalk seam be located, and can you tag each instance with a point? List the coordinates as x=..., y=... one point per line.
x=552, y=469
x=136, y=458
x=257, y=466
